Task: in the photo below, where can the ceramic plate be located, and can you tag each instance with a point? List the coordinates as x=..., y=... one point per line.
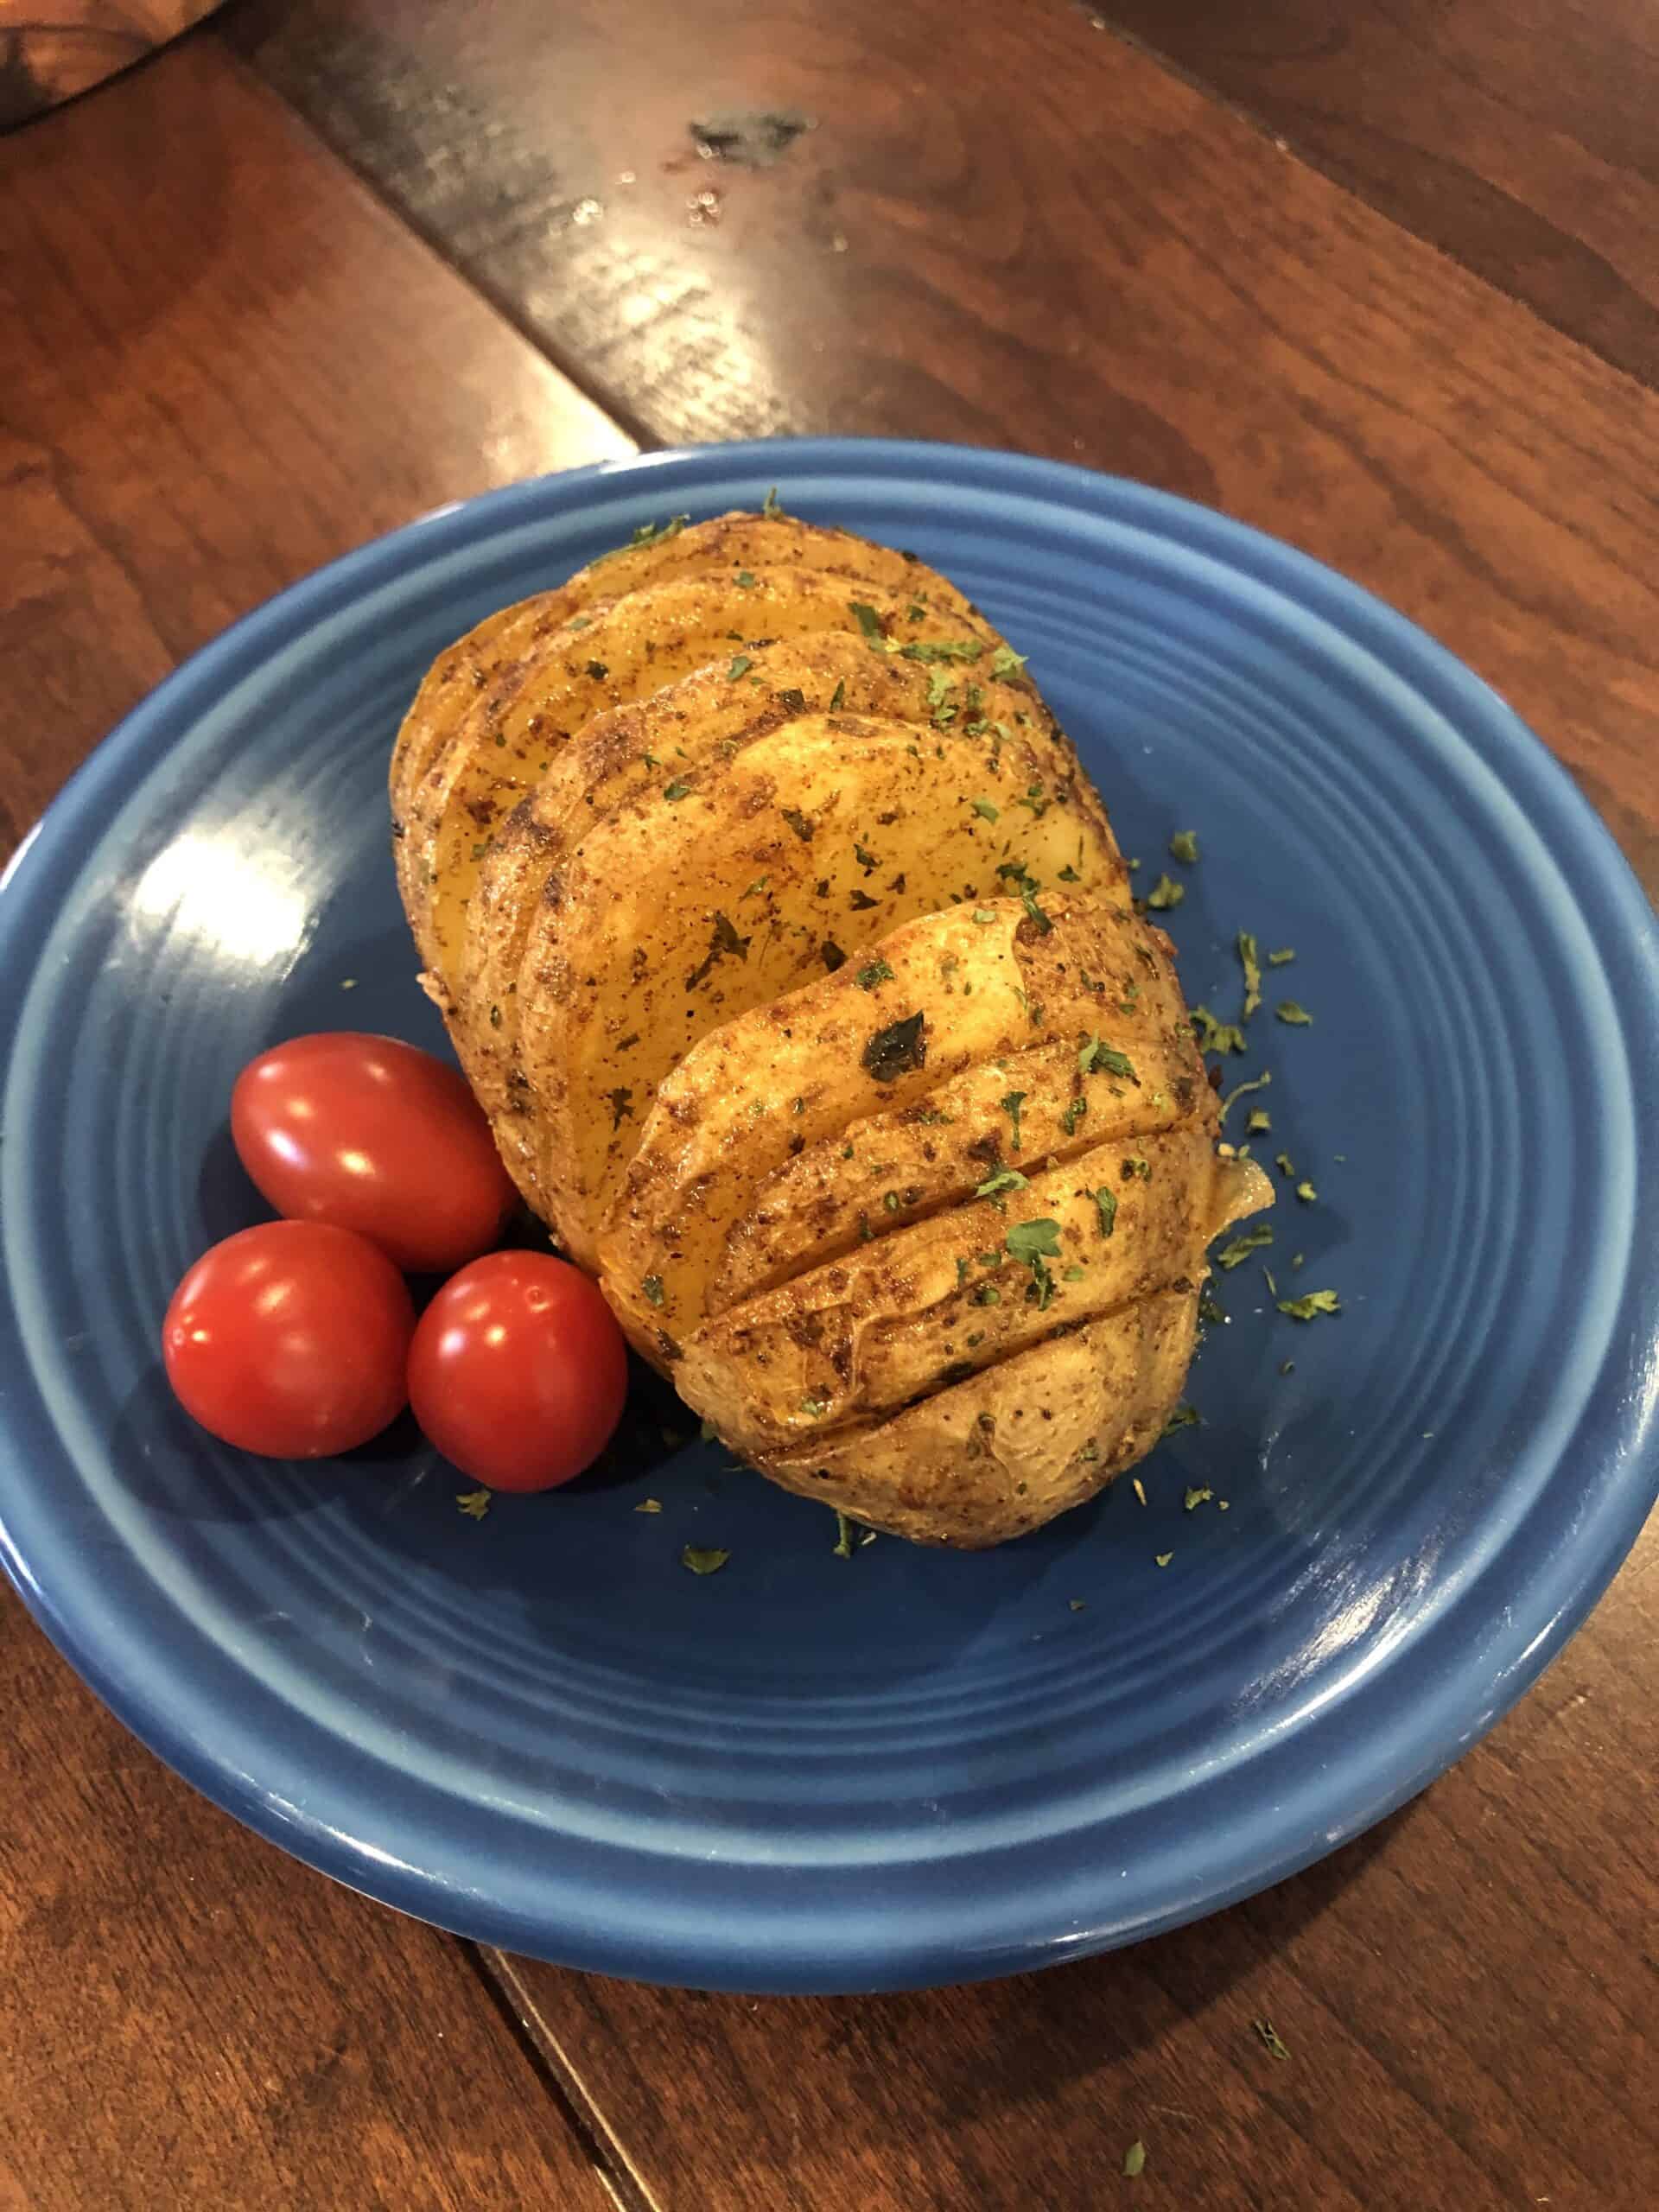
x=807, y=1772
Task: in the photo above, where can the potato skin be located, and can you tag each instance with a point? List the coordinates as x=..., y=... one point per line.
x=999, y=1454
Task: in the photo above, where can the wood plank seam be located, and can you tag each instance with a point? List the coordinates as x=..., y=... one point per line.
x=575, y=372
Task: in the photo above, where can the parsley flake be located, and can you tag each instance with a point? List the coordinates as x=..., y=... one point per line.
x=984, y=806
x=1106, y=1200
x=877, y=972
x=1250, y=961
x=1253, y=1239
x=1011, y=1105
x=701, y=1560
x=1281, y=959
x=1005, y=662
x=741, y=663
x=474, y=1503
x=1271, y=2042
x=1184, y=846
x=1165, y=894
x=1316, y=1302
x=1005, y=1179
x=652, y=1288
x=1297, y=1016
x=677, y=789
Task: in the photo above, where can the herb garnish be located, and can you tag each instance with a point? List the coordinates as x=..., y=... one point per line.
x=1250, y=961
x=1270, y=2038
x=676, y=790
x=652, y=1287
x=1184, y=846
x=1260, y=1083
x=868, y=620
x=1307, y=1193
x=1165, y=894
x=1005, y=1179
x=1317, y=1301
x=702, y=1562
x=1253, y=1239
x=1298, y=1016
x=942, y=649
x=1011, y=1105
x=896, y=1050
x=877, y=972
x=1094, y=1054
x=1282, y=958
x=741, y=663
x=984, y=806
x=1215, y=1036
x=1184, y=1417
x=802, y=824
x=1074, y=1113
x=1036, y=1242
x=722, y=940
x=648, y=534
x=1259, y=1123
x=1106, y=1200
x=474, y=1503
x=1005, y=661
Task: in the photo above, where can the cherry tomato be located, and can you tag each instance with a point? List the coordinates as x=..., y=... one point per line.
x=290, y=1339
x=517, y=1371
x=370, y=1134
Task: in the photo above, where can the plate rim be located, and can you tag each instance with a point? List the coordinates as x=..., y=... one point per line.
x=1577, y=838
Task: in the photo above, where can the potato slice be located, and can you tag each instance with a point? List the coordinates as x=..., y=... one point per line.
x=1126, y=1064
x=1007, y=1450
x=731, y=542
x=615, y=760
x=738, y=881
x=725, y=1188
x=866, y=1334
x=624, y=651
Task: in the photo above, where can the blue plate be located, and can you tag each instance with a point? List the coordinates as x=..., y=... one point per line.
x=805, y=1772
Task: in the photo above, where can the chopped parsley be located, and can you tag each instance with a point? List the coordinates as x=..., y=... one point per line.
x=652, y=1287
x=649, y=533
x=1165, y=894
x=815, y=1408
x=1093, y=1054
x=868, y=620
x=1286, y=1166
x=988, y=1294
x=1215, y=1036
x=1283, y=958
x=1297, y=1016
x=1005, y=1179
x=1036, y=1242
x=802, y=824
x=1074, y=1113
x=984, y=806
x=649, y=1505
x=1184, y=846
x=940, y=649
x=1011, y=1105
x=1259, y=1123
x=1239, y=1090
x=838, y=696
x=1197, y=1497
x=1317, y=1301
x=843, y=1546
x=723, y=941
x=1184, y=1417
x=745, y=581
x=1106, y=1200
x=1135, y=2158
x=1307, y=1193
x=898, y=1049
x=741, y=663
x=772, y=506
x=1253, y=1239
x=1005, y=661
x=1250, y=961
x=677, y=789
x=877, y=972
x=701, y=1560
x=474, y=1503
x=1271, y=2042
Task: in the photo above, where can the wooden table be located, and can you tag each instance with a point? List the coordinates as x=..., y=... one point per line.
x=1381, y=276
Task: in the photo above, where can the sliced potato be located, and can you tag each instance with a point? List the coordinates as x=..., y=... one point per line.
x=741, y=878
x=732, y=1185
x=1118, y=1065
x=623, y=650
x=865, y=1335
x=1007, y=1450
x=616, y=759
x=731, y=542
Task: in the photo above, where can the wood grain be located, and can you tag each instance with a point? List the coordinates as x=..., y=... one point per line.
x=1049, y=242
x=1518, y=135
x=191, y=2019
x=1469, y=1997
x=220, y=364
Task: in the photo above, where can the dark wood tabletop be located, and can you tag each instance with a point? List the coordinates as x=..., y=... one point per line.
x=1379, y=275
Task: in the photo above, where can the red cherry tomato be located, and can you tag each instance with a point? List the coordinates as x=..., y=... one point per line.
x=517, y=1371
x=370, y=1134
x=291, y=1340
